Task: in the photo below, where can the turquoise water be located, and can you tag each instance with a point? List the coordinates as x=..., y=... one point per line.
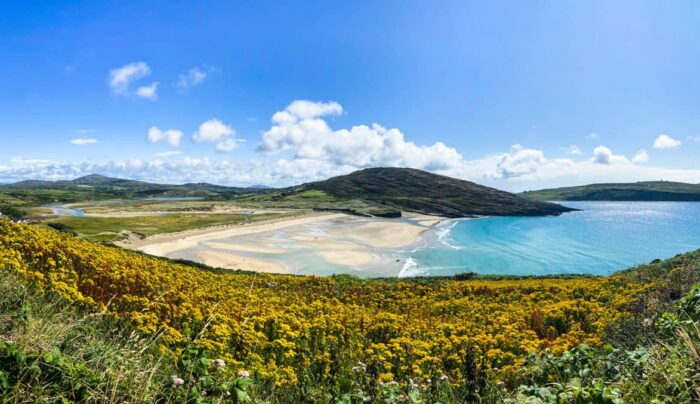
x=600, y=239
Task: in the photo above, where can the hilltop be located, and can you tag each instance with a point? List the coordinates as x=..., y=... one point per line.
x=388, y=191
x=637, y=191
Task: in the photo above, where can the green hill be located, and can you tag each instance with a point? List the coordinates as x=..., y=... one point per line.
x=99, y=187
x=388, y=191
x=638, y=191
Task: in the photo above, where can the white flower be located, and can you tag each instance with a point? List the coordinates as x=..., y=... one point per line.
x=177, y=381
x=243, y=373
x=218, y=363
x=444, y=378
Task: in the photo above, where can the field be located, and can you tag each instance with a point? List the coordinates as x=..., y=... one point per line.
x=321, y=337
x=112, y=228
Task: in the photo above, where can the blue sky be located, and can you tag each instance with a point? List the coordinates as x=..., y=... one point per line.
x=494, y=92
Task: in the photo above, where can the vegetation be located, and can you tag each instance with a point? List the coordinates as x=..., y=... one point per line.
x=638, y=191
x=113, y=228
x=11, y=212
x=628, y=337
x=52, y=351
x=375, y=192
x=388, y=191
x=94, y=187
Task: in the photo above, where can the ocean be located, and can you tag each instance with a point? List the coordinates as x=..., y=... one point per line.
x=601, y=238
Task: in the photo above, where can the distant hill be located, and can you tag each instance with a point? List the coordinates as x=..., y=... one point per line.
x=638, y=191
x=259, y=186
x=388, y=191
x=102, y=182
x=99, y=187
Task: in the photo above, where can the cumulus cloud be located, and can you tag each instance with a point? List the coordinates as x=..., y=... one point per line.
x=521, y=162
x=666, y=142
x=215, y=131
x=516, y=170
x=149, y=92
x=172, y=136
x=81, y=141
x=301, y=128
x=120, y=78
x=191, y=78
x=573, y=150
x=605, y=156
x=641, y=157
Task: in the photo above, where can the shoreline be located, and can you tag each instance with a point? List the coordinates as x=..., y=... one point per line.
x=337, y=238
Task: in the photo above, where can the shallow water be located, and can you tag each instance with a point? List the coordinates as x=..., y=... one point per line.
x=600, y=239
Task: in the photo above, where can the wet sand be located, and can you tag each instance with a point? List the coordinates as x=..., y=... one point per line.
x=336, y=238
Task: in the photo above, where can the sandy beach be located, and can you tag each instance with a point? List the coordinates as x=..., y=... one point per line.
x=336, y=238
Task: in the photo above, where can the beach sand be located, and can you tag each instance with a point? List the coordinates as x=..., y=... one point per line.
x=337, y=238
x=233, y=261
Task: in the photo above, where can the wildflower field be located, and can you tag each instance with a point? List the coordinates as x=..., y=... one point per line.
x=308, y=338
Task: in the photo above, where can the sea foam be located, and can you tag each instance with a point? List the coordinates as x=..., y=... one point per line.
x=410, y=269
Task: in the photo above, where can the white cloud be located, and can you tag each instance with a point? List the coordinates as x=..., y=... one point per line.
x=516, y=170
x=605, y=156
x=593, y=136
x=301, y=129
x=120, y=78
x=172, y=136
x=227, y=145
x=193, y=77
x=666, y=142
x=148, y=92
x=83, y=141
x=169, y=153
x=520, y=162
x=641, y=157
x=573, y=150
x=213, y=130
x=694, y=138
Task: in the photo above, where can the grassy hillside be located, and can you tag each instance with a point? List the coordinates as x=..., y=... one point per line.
x=388, y=191
x=96, y=187
x=341, y=339
x=638, y=191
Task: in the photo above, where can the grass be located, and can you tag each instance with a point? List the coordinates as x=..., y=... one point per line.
x=109, y=228
x=51, y=351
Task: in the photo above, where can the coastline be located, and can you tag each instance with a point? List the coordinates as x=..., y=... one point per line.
x=336, y=238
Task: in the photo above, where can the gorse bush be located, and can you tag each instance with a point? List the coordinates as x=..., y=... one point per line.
x=51, y=351
x=287, y=338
